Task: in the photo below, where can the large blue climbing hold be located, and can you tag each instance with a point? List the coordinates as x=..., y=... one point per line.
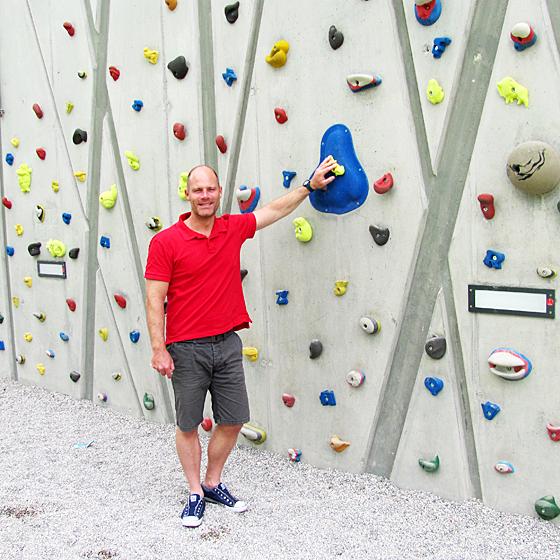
x=327, y=398
x=494, y=259
x=433, y=384
x=490, y=409
x=427, y=13
x=288, y=176
x=348, y=191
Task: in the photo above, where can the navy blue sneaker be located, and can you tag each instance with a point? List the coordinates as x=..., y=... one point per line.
x=222, y=496
x=193, y=511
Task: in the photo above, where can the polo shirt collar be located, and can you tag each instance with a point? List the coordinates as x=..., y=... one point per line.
x=218, y=227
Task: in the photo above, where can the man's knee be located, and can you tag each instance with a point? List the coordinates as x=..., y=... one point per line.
x=186, y=434
x=230, y=428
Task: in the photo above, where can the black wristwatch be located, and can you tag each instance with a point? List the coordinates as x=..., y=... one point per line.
x=307, y=185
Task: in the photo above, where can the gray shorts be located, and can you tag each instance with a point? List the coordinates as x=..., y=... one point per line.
x=203, y=365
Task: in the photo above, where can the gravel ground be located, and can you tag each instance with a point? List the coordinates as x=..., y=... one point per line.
x=121, y=498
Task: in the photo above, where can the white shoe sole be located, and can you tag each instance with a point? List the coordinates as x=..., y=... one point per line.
x=191, y=522
x=239, y=506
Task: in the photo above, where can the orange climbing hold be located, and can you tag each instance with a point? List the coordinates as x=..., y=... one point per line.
x=171, y=4
x=221, y=143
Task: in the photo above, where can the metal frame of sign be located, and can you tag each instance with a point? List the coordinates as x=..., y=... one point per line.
x=50, y=274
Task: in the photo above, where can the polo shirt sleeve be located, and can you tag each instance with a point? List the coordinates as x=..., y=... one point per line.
x=159, y=265
x=246, y=224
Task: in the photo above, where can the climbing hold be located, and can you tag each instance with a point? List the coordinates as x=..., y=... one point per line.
x=338, y=170
x=243, y=273
x=71, y=304
x=50, y=353
x=103, y=333
x=134, y=336
x=221, y=143
x=28, y=337
x=279, y=54
x=24, y=177
x=10, y=159
x=41, y=368
x=40, y=213
x=149, y=403
x=133, y=160
x=15, y=301
x=137, y=105
x=315, y=349
x=108, y=198
x=40, y=316
x=74, y=376
x=280, y=115
x=282, y=297
x=253, y=433
x=546, y=272
x=494, y=259
x=490, y=409
x=553, y=432
x=206, y=424
x=287, y=177
x=327, y=398
x=179, y=131
x=1, y=318
x=340, y=287
x=534, y=167
x=151, y=56
x=154, y=223
x=435, y=347
x=20, y=359
x=247, y=198
x=547, y=508
x=63, y=336
x=303, y=230
x=182, y=188
x=512, y=91
x=439, y=46
x=69, y=28
x=105, y=242
x=355, y=378
x=487, y=205
x=79, y=136
x=114, y=72
x=380, y=235
x=56, y=248
x=116, y=375
x=80, y=175
x=435, y=92
x=339, y=445
x=102, y=397
x=359, y=82
x=509, y=364
x=503, y=467
x=251, y=353
x=37, y=110
x=82, y=75
x=66, y=217
x=178, y=67
x=336, y=38
x=7, y=202
x=69, y=107
x=294, y=455
x=288, y=400
x=55, y=187
x=427, y=12
x=429, y=466
x=73, y=253
x=232, y=12
x=19, y=230
x=28, y=281
x=523, y=36
x=41, y=153
x=171, y=4
x=2, y=345
x=10, y=251
x=433, y=384
x=121, y=300
x=14, y=142
x=369, y=325
x=229, y=76
x=381, y=186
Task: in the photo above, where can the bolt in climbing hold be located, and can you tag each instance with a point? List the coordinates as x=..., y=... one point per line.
x=102, y=397
x=66, y=217
x=232, y=12
x=360, y=82
x=436, y=347
x=439, y=46
x=79, y=136
x=20, y=359
x=179, y=131
x=40, y=316
x=50, y=353
x=73, y=253
x=221, y=143
x=71, y=304
x=287, y=177
x=178, y=67
x=103, y=333
x=504, y=467
x=487, y=205
x=433, y=384
x=380, y=235
x=171, y=4
x=41, y=368
x=116, y=375
x=512, y=91
x=279, y=54
x=82, y=75
x=339, y=445
x=149, y=403
x=553, y=432
x=247, y=198
x=28, y=281
x=28, y=337
x=56, y=248
x=10, y=158
x=294, y=455
x=108, y=198
x=303, y=230
x=546, y=272
x=336, y=38
x=384, y=184
x=114, y=72
x=509, y=364
x=523, y=36
x=10, y=251
x=105, y=242
x=19, y=230
x=280, y=115
x=288, y=399
x=435, y=92
x=355, y=378
x=137, y=105
x=340, y=287
x=327, y=398
x=63, y=336
x=253, y=433
x=534, y=167
x=24, y=177
x=55, y=187
x=427, y=12
x=490, y=409
x=251, y=353
x=206, y=424
x=37, y=110
x=151, y=55
x=429, y=466
x=369, y=325
x=7, y=202
x=133, y=160
x=229, y=76
x=69, y=27
x=154, y=223
x=315, y=349
x=14, y=141
x=547, y=508
x=121, y=300
x=80, y=175
x=494, y=259
x=134, y=336
x=69, y=107
x=74, y=376
x=282, y=297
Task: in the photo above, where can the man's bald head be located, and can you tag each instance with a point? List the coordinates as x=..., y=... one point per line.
x=202, y=174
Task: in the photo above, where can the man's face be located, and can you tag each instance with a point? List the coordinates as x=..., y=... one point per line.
x=203, y=192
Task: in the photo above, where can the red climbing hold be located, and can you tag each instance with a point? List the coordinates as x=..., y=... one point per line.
x=38, y=110
x=6, y=202
x=41, y=153
x=69, y=27
x=280, y=115
x=115, y=72
x=288, y=400
x=381, y=186
x=221, y=143
x=487, y=205
x=71, y=304
x=206, y=424
x=121, y=301
x=179, y=131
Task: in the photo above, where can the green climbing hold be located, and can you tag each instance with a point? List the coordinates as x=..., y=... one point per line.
x=24, y=177
x=430, y=466
x=512, y=91
x=547, y=508
x=183, y=179
x=149, y=403
x=434, y=92
x=108, y=198
x=303, y=230
x=133, y=160
x=56, y=248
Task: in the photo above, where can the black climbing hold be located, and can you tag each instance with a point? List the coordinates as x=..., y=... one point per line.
x=74, y=376
x=1, y=318
x=336, y=38
x=436, y=347
x=315, y=349
x=380, y=235
x=232, y=12
x=73, y=253
x=178, y=67
x=79, y=136
x=243, y=273
x=34, y=249
x=558, y=206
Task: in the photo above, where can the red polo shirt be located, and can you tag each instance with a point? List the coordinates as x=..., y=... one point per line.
x=204, y=297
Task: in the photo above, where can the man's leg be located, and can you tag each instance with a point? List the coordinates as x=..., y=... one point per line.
x=189, y=452
x=221, y=443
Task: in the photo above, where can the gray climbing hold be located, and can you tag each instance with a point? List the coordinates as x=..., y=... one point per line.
x=436, y=347
x=79, y=136
x=315, y=348
x=232, y=12
x=73, y=253
x=178, y=67
x=1, y=318
x=336, y=38
x=380, y=235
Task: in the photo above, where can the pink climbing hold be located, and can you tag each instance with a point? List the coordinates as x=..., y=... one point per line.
x=221, y=143
x=288, y=400
x=71, y=304
x=121, y=301
x=206, y=424
x=69, y=27
x=487, y=205
x=280, y=115
x=115, y=72
x=38, y=111
x=179, y=131
x=41, y=153
x=7, y=202
x=383, y=185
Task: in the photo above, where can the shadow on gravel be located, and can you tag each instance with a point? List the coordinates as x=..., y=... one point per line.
x=18, y=512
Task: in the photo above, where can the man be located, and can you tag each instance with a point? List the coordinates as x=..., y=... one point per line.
x=195, y=265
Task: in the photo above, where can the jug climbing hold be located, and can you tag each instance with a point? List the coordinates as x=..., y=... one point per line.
x=82, y=75
x=71, y=304
x=294, y=455
x=229, y=76
x=433, y=384
x=41, y=368
x=40, y=213
x=105, y=242
x=66, y=217
x=28, y=337
x=182, y=188
x=69, y=107
x=288, y=399
x=134, y=336
x=74, y=376
x=7, y=202
x=15, y=142
x=137, y=105
x=384, y=184
x=360, y=82
x=303, y=230
x=41, y=153
x=523, y=36
x=37, y=110
x=435, y=92
x=24, y=177
x=355, y=378
x=114, y=72
x=534, y=167
x=221, y=143
x=553, y=431
x=103, y=333
x=509, y=364
x=80, y=176
x=55, y=186
x=336, y=38
x=436, y=347
x=512, y=91
x=490, y=409
x=102, y=397
x=231, y=12
x=171, y=4
x=546, y=272
x=20, y=359
x=108, y=198
x=56, y=248
x=504, y=467
x=50, y=353
x=206, y=424
x=338, y=444
x=487, y=205
x=494, y=259
x=116, y=375
x=440, y=43
x=251, y=353
x=315, y=348
x=253, y=433
x=282, y=297
x=63, y=336
x=133, y=160
x=121, y=300
x=179, y=131
x=10, y=251
x=243, y=272
x=547, y=508
x=287, y=177
x=19, y=230
x=148, y=400
x=154, y=223
x=369, y=325
x=380, y=234
x=73, y=253
x=79, y=136
x=340, y=287
x=10, y=158
x=247, y=198
x=429, y=466
x=280, y=115
x=327, y=398
x=69, y=28
x=279, y=54
x=151, y=55
x=28, y=281
x=427, y=12
x=178, y=67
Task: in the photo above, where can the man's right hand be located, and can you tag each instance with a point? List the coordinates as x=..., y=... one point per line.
x=163, y=362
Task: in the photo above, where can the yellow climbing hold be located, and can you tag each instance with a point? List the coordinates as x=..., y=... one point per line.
x=40, y=316
x=15, y=301
x=251, y=353
x=512, y=91
x=19, y=229
x=133, y=160
x=28, y=281
x=182, y=190
x=41, y=368
x=15, y=141
x=103, y=333
x=339, y=170
x=108, y=198
x=28, y=337
x=56, y=248
x=339, y=445
x=80, y=175
x=151, y=56
x=303, y=229
x=340, y=287
x=434, y=92
x=24, y=177
x=279, y=54
x=55, y=186
x=69, y=106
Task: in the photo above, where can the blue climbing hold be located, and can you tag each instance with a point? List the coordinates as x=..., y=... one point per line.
x=287, y=178
x=66, y=217
x=247, y=198
x=105, y=241
x=490, y=409
x=10, y=251
x=349, y=191
x=137, y=105
x=427, y=13
x=494, y=259
x=2, y=345
x=10, y=159
x=433, y=384
x=229, y=76
x=63, y=336
x=282, y=297
x=134, y=336
x=327, y=398
x=439, y=46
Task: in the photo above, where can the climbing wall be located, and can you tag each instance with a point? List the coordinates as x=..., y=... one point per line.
x=363, y=354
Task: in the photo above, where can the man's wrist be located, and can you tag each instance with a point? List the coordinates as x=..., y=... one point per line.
x=307, y=185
